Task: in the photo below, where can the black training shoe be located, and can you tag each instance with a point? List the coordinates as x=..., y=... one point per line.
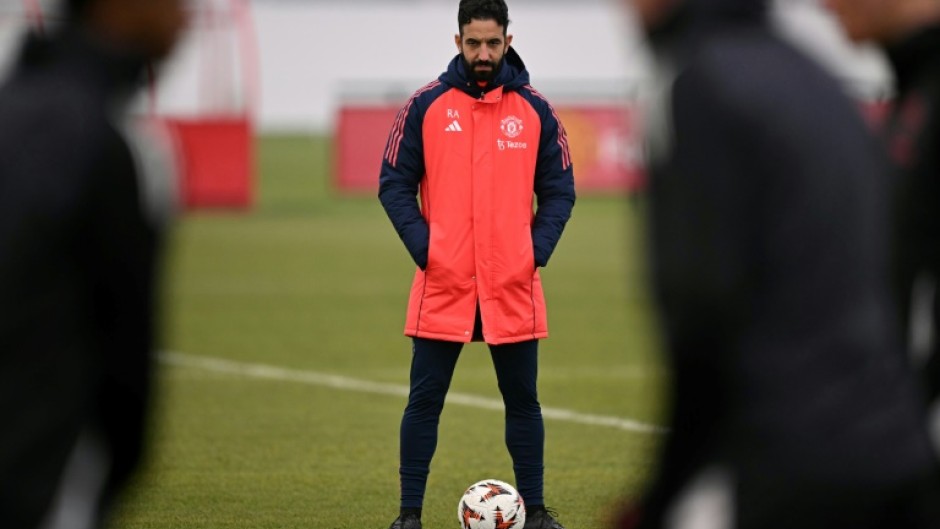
x=542, y=519
x=406, y=521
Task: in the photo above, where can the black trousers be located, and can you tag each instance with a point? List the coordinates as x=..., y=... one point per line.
x=432, y=368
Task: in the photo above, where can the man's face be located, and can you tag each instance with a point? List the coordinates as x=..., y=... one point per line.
x=483, y=44
x=148, y=27
x=161, y=22
x=867, y=20
x=651, y=13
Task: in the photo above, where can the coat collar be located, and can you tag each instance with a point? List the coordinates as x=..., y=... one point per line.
x=75, y=51
x=512, y=75
x=915, y=55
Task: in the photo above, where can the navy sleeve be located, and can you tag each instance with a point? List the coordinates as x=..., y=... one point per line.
x=401, y=174
x=554, y=182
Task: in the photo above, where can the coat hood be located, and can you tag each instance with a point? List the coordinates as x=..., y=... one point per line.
x=702, y=15
x=676, y=36
x=113, y=70
x=512, y=75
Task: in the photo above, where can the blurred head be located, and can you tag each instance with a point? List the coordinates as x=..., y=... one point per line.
x=883, y=21
x=483, y=40
x=146, y=27
x=653, y=13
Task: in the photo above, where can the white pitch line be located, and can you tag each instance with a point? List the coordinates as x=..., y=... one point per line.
x=313, y=378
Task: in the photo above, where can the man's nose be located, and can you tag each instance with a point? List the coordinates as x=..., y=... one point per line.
x=484, y=54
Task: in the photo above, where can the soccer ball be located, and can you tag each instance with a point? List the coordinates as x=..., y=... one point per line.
x=491, y=504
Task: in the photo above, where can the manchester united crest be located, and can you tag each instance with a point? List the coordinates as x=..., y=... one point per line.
x=511, y=126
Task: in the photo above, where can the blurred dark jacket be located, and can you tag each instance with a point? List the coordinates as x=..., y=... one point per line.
x=913, y=135
x=78, y=254
x=770, y=253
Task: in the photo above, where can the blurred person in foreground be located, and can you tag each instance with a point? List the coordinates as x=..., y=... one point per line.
x=477, y=144
x=909, y=31
x=80, y=228
x=791, y=403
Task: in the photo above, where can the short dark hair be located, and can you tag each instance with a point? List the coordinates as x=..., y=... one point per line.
x=482, y=10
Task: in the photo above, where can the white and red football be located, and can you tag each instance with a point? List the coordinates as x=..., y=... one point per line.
x=491, y=504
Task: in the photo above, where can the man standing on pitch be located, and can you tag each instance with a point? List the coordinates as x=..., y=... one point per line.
x=476, y=144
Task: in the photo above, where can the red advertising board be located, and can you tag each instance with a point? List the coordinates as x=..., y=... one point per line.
x=606, y=146
x=216, y=159
x=605, y=143
x=361, y=135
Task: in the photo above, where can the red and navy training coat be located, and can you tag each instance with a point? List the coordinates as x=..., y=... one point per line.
x=493, y=170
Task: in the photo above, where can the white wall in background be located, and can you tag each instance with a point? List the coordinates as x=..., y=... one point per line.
x=314, y=54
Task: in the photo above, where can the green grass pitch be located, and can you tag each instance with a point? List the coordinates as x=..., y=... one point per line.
x=310, y=281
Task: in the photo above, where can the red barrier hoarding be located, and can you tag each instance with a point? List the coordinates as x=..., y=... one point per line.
x=605, y=143
x=361, y=135
x=216, y=159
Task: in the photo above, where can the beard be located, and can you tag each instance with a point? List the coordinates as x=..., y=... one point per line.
x=482, y=75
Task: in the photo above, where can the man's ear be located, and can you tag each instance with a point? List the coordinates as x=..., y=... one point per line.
x=457, y=42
